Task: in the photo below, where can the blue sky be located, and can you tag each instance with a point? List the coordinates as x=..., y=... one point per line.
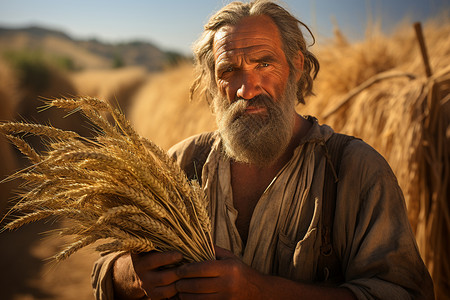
x=176, y=24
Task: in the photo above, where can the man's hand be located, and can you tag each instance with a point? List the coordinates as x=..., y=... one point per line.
x=229, y=278
x=139, y=275
x=151, y=275
x=225, y=278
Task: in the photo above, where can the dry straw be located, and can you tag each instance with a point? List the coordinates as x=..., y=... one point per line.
x=120, y=190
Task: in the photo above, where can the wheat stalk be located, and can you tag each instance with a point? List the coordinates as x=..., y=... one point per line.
x=115, y=186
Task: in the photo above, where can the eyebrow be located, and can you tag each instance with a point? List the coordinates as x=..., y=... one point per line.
x=265, y=58
x=224, y=64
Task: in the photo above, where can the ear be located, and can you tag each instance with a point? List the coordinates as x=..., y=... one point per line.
x=298, y=64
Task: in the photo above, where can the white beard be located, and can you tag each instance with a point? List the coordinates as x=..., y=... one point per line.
x=260, y=138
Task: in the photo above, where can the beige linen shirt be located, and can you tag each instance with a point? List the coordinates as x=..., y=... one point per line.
x=371, y=234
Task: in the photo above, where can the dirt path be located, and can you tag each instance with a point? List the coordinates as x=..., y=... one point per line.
x=26, y=273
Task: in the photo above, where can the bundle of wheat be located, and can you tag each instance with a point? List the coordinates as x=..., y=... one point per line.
x=118, y=188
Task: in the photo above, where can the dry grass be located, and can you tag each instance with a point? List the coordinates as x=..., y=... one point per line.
x=117, y=186
x=345, y=65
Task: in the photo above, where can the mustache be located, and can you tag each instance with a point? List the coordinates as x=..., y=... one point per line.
x=237, y=109
x=239, y=106
x=258, y=100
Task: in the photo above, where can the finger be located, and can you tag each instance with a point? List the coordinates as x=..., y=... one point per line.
x=154, y=260
x=209, y=268
x=161, y=278
x=162, y=292
x=198, y=285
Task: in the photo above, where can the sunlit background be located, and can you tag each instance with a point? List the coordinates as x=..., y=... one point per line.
x=174, y=25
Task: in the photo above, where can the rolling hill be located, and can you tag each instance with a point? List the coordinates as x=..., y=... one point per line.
x=85, y=54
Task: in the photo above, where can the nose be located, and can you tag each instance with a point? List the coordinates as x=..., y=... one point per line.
x=249, y=87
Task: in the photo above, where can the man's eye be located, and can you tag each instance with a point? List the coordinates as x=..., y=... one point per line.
x=264, y=65
x=229, y=69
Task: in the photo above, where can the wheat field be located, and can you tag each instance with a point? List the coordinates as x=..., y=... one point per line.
x=375, y=89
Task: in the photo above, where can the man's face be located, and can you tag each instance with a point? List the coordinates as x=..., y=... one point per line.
x=255, y=101
x=249, y=60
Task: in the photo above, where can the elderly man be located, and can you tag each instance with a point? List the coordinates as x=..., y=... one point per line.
x=282, y=230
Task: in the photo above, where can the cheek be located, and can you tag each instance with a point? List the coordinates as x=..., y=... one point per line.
x=274, y=85
x=224, y=88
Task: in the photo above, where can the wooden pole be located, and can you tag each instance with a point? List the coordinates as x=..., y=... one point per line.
x=423, y=48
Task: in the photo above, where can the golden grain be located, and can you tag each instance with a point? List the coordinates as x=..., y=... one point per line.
x=116, y=185
x=37, y=129
x=25, y=148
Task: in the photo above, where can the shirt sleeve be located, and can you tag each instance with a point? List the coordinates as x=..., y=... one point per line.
x=373, y=236
x=102, y=277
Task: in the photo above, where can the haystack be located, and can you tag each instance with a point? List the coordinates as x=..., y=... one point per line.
x=162, y=113
x=117, y=86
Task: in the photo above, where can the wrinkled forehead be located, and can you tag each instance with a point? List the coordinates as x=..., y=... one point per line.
x=256, y=33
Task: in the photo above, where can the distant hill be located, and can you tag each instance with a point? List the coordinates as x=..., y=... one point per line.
x=86, y=54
